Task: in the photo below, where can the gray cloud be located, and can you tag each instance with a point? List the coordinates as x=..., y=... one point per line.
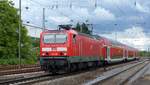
x=107, y=16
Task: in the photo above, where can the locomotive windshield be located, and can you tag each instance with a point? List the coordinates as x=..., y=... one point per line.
x=55, y=38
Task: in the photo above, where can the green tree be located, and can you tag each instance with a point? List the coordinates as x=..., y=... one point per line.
x=144, y=53
x=36, y=45
x=85, y=28
x=9, y=23
x=78, y=27
x=35, y=42
x=82, y=28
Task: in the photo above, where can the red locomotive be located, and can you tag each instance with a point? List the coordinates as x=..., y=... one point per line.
x=69, y=50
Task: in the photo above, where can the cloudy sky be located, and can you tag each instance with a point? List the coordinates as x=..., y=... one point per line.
x=127, y=21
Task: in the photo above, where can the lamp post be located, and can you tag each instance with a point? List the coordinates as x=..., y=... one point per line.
x=43, y=19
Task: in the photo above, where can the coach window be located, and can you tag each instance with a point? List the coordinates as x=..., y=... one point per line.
x=74, y=38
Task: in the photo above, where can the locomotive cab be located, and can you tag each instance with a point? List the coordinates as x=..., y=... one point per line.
x=54, y=50
x=54, y=44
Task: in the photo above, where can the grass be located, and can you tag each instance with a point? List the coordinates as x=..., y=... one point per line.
x=15, y=61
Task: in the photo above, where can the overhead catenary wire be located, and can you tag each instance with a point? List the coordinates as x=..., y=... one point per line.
x=41, y=5
x=55, y=5
x=116, y=5
x=46, y=7
x=52, y=7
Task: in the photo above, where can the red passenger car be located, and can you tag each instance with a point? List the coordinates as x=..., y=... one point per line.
x=114, y=51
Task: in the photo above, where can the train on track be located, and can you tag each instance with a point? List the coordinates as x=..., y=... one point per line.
x=69, y=50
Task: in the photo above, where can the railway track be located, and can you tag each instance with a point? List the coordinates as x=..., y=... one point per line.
x=45, y=77
x=120, y=76
x=8, y=70
x=35, y=79
x=10, y=67
x=22, y=79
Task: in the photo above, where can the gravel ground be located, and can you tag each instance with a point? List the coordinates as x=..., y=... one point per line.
x=72, y=80
x=117, y=80
x=144, y=80
x=75, y=79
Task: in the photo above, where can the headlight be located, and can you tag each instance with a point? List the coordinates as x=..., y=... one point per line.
x=61, y=49
x=46, y=49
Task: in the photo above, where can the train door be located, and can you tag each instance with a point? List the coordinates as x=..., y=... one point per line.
x=127, y=54
x=108, y=53
x=74, y=45
x=124, y=53
x=80, y=48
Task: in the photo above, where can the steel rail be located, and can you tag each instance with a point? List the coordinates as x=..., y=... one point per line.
x=136, y=75
x=35, y=79
x=116, y=72
x=22, y=79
